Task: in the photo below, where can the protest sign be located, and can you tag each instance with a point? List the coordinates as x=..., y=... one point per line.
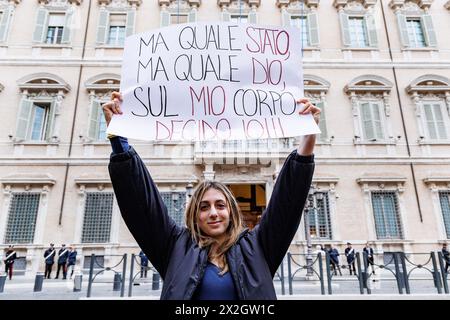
x=208, y=81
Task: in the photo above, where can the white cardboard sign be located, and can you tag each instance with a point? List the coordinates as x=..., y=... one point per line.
x=208, y=81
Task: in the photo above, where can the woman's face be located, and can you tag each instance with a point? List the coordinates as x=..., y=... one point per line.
x=214, y=216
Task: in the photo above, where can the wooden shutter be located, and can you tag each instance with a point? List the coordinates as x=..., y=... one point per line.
x=93, y=120
x=403, y=29
x=313, y=29
x=24, y=119
x=345, y=29
x=4, y=23
x=103, y=26
x=41, y=25
x=130, y=24
x=67, y=26
x=371, y=30
x=428, y=29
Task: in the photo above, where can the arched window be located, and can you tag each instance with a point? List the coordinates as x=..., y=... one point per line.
x=40, y=107
x=100, y=88
x=239, y=11
x=431, y=96
x=316, y=89
x=369, y=95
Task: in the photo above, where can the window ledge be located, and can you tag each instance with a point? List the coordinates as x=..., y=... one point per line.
x=96, y=143
x=105, y=46
x=311, y=48
x=360, y=49
x=377, y=142
x=35, y=143
x=431, y=142
x=420, y=49
x=53, y=46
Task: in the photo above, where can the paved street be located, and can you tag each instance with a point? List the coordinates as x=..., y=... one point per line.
x=343, y=287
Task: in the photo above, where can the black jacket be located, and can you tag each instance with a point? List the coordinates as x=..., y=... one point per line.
x=252, y=261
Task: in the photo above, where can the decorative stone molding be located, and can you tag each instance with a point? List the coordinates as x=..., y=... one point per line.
x=315, y=83
x=231, y=3
x=392, y=182
x=103, y=82
x=410, y=5
x=4, y=3
x=368, y=83
x=27, y=180
x=354, y=4
x=296, y=4
x=59, y=3
x=189, y=3
x=99, y=182
x=433, y=181
x=429, y=83
x=119, y=4
x=43, y=81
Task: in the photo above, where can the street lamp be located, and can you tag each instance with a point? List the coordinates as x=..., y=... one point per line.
x=311, y=205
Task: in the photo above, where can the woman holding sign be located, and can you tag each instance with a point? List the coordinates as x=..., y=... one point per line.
x=213, y=257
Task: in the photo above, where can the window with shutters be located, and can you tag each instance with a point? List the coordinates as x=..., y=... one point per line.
x=175, y=203
x=358, y=32
x=117, y=29
x=372, y=120
x=100, y=88
x=178, y=11
x=116, y=21
x=97, y=217
x=35, y=120
x=22, y=216
x=386, y=214
x=357, y=22
x=53, y=27
x=370, y=100
x=302, y=15
x=415, y=24
x=436, y=120
x=415, y=33
x=239, y=11
x=316, y=89
x=430, y=95
x=444, y=199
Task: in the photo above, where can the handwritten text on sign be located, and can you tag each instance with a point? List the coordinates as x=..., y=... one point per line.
x=212, y=81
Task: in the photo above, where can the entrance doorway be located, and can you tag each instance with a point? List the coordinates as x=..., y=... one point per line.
x=251, y=200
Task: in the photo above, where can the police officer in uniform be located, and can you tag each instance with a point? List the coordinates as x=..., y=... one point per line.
x=10, y=257
x=49, y=256
x=63, y=254
x=350, y=254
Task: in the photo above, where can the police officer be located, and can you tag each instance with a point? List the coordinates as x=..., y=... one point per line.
x=49, y=256
x=71, y=260
x=350, y=254
x=368, y=254
x=144, y=264
x=10, y=257
x=446, y=256
x=334, y=260
x=63, y=254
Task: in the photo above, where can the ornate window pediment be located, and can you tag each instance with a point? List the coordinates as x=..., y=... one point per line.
x=59, y=3
x=429, y=83
x=385, y=182
x=410, y=6
x=315, y=84
x=106, y=82
x=119, y=4
x=28, y=180
x=297, y=5
x=236, y=4
x=43, y=82
x=182, y=4
x=368, y=83
x=354, y=5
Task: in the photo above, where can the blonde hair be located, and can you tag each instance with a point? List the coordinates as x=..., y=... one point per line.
x=234, y=228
